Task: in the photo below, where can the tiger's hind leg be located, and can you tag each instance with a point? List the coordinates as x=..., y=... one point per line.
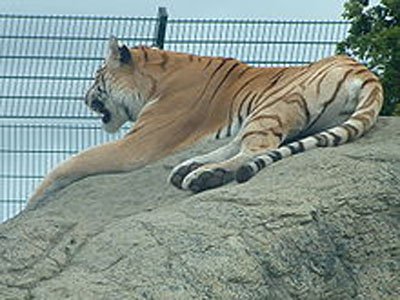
x=179, y=173
x=255, y=156
x=252, y=143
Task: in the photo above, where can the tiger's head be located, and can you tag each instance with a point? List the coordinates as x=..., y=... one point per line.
x=114, y=94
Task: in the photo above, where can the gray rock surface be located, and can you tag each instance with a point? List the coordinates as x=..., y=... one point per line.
x=320, y=225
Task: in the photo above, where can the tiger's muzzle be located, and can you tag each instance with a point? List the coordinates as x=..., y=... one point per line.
x=98, y=106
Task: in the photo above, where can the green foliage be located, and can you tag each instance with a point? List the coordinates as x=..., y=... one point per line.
x=374, y=38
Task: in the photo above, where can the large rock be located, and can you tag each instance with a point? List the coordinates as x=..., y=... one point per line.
x=319, y=225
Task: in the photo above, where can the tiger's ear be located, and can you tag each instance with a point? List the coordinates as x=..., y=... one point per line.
x=125, y=54
x=118, y=55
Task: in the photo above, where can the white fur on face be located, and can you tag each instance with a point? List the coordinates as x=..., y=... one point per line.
x=123, y=108
x=122, y=103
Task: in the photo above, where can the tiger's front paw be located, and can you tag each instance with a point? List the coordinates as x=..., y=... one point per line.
x=206, y=178
x=179, y=173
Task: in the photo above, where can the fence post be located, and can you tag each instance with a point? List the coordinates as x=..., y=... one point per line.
x=161, y=27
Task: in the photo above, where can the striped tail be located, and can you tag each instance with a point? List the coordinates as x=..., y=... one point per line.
x=364, y=117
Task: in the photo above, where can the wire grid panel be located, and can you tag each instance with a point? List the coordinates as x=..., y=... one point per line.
x=47, y=63
x=257, y=42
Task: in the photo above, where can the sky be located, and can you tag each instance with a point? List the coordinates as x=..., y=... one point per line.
x=260, y=9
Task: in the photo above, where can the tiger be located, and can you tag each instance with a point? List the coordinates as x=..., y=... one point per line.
x=177, y=99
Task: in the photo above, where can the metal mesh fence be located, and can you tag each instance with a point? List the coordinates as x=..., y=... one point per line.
x=47, y=62
x=260, y=43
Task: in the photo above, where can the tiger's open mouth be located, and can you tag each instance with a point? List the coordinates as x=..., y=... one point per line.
x=98, y=107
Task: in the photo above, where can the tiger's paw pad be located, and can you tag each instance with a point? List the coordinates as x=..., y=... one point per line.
x=244, y=174
x=180, y=172
x=207, y=179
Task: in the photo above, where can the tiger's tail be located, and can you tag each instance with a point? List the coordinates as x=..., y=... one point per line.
x=363, y=118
